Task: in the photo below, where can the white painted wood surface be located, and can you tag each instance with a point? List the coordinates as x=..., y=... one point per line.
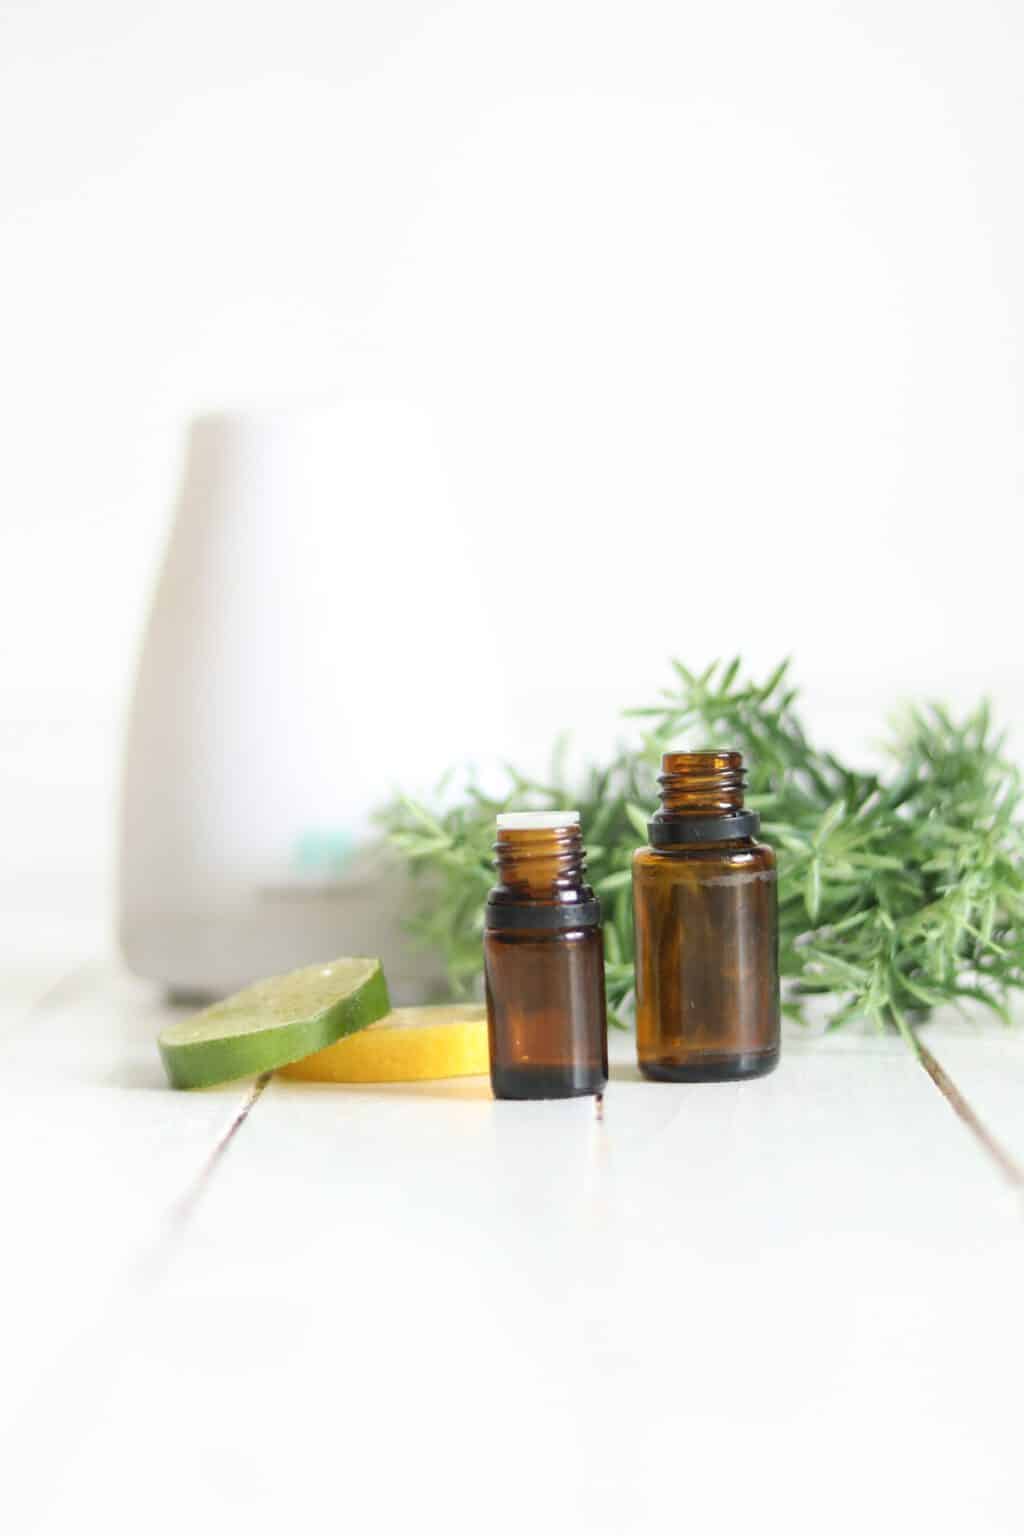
x=792, y=1304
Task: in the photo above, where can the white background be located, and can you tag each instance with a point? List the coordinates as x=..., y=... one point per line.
x=683, y=288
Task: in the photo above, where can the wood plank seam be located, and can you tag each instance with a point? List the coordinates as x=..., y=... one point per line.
x=1004, y=1161
x=182, y=1208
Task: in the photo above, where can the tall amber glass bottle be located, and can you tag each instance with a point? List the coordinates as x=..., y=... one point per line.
x=704, y=904
x=544, y=963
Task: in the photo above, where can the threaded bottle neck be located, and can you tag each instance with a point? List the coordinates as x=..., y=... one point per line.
x=701, y=800
x=701, y=783
x=540, y=856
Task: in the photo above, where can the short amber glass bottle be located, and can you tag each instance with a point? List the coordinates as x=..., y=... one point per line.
x=705, y=911
x=544, y=963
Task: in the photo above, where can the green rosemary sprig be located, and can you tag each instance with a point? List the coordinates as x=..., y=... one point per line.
x=898, y=892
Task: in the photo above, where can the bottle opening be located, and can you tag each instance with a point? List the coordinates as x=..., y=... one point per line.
x=707, y=762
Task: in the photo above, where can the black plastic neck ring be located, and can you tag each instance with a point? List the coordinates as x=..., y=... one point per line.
x=529, y=916
x=703, y=829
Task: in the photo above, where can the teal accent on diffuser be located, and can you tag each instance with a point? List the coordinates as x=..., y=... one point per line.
x=323, y=851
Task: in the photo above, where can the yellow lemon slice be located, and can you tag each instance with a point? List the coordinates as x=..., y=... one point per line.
x=408, y=1045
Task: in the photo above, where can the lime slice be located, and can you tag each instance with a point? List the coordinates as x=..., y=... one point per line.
x=410, y=1045
x=274, y=1022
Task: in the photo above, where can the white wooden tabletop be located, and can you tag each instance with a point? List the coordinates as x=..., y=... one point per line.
x=792, y=1304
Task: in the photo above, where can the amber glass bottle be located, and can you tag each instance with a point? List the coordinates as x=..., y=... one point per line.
x=704, y=905
x=544, y=963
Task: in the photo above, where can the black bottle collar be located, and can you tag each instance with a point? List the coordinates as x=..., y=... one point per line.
x=702, y=829
x=525, y=915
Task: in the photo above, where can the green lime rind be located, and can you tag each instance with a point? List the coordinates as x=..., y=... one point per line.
x=274, y=1022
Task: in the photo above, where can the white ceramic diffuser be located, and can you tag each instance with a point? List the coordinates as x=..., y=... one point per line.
x=314, y=607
